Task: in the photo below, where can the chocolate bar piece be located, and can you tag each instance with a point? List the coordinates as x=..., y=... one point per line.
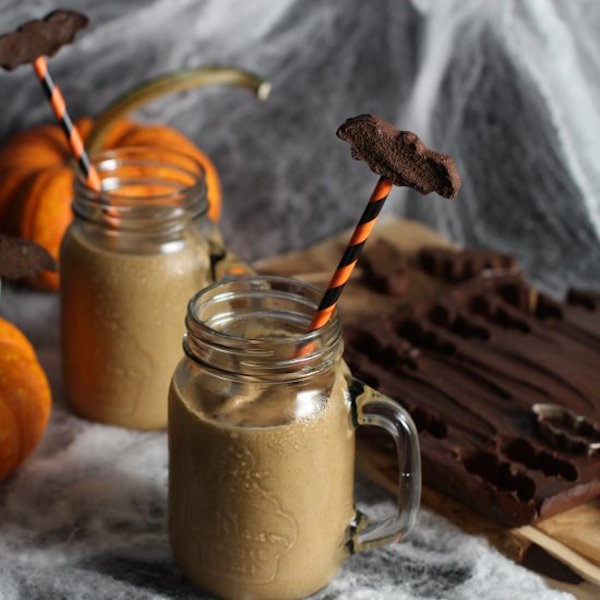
x=470, y=367
x=460, y=265
x=385, y=269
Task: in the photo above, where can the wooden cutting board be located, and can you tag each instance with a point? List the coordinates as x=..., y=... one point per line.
x=572, y=537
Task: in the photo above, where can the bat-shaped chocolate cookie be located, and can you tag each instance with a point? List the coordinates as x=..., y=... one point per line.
x=400, y=156
x=42, y=37
x=21, y=258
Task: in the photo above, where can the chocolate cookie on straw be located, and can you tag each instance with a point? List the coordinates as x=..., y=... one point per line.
x=31, y=43
x=400, y=158
x=22, y=258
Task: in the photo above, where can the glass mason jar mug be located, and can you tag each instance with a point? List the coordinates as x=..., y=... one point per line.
x=131, y=259
x=262, y=421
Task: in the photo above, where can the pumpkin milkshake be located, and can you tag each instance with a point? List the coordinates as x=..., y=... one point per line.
x=262, y=511
x=129, y=262
x=262, y=445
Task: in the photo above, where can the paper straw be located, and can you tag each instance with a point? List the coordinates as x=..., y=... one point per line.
x=55, y=97
x=351, y=254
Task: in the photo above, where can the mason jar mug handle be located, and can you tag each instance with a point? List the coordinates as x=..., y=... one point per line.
x=375, y=409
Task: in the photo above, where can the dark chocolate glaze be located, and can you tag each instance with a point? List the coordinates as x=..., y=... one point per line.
x=469, y=367
x=400, y=156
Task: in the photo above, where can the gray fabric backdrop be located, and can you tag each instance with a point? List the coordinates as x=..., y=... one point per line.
x=510, y=88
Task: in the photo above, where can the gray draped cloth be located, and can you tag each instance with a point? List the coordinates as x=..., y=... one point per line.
x=509, y=88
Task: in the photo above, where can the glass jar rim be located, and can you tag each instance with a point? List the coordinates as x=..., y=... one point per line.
x=283, y=352
x=144, y=166
x=112, y=155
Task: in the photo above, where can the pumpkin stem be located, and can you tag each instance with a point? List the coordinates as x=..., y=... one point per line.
x=166, y=84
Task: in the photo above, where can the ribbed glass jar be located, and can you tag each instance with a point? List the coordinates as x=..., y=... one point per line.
x=134, y=254
x=262, y=421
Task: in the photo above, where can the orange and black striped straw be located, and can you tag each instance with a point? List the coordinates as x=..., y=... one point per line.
x=350, y=257
x=31, y=43
x=55, y=97
x=399, y=158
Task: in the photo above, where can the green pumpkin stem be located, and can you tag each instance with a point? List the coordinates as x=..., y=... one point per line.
x=168, y=84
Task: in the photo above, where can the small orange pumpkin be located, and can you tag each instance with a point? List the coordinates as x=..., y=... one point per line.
x=25, y=398
x=36, y=179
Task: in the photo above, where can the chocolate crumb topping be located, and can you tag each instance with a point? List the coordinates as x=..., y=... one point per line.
x=21, y=258
x=41, y=37
x=400, y=156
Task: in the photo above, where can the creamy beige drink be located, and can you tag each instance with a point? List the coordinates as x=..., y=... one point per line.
x=129, y=263
x=122, y=328
x=262, y=420
x=261, y=512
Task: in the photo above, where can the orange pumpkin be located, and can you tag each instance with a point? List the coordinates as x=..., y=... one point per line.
x=36, y=179
x=24, y=398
